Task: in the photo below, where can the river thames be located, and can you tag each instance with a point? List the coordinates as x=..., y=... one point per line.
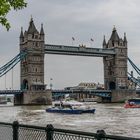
x=113, y=118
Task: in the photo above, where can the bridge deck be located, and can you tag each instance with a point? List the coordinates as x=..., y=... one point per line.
x=79, y=51
x=101, y=93
x=4, y=92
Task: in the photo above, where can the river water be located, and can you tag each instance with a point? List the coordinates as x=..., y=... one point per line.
x=113, y=118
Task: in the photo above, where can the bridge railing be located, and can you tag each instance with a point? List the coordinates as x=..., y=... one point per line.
x=82, y=51
x=16, y=131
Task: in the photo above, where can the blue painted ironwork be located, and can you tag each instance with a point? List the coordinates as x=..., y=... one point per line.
x=133, y=79
x=134, y=66
x=8, y=66
x=78, y=51
x=13, y=92
x=138, y=91
x=130, y=76
x=100, y=93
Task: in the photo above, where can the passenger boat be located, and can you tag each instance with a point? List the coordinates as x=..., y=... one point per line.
x=70, y=107
x=132, y=103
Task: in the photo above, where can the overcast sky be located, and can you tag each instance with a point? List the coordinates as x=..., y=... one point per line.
x=64, y=19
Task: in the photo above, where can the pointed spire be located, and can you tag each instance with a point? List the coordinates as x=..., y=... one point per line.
x=32, y=29
x=42, y=30
x=104, y=41
x=114, y=28
x=21, y=33
x=114, y=36
x=125, y=40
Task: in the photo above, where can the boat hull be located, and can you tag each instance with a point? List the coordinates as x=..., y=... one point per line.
x=132, y=103
x=131, y=106
x=70, y=111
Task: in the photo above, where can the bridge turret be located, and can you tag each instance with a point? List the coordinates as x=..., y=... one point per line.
x=21, y=36
x=104, y=43
x=125, y=40
x=32, y=29
x=42, y=33
x=25, y=36
x=114, y=39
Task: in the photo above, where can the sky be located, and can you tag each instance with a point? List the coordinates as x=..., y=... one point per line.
x=62, y=20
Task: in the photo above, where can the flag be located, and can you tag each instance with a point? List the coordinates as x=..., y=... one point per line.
x=92, y=39
x=73, y=38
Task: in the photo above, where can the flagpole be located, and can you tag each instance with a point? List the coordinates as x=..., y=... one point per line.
x=73, y=39
x=51, y=85
x=91, y=42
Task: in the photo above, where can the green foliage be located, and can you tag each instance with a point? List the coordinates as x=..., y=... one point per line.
x=6, y=6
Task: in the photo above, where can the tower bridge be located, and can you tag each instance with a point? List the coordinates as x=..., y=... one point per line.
x=32, y=42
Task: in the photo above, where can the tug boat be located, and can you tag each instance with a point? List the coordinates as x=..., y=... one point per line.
x=132, y=103
x=72, y=107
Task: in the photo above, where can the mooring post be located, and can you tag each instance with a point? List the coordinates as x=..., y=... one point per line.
x=100, y=135
x=15, y=130
x=49, y=132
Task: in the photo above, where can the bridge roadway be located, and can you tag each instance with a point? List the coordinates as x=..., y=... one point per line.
x=78, y=51
x=100, y=93
x=4, y=92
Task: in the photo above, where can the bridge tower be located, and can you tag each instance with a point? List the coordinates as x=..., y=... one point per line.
x=115, y=68
x=32, y=66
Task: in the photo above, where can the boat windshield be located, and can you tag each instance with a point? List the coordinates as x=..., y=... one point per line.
x=136, y=101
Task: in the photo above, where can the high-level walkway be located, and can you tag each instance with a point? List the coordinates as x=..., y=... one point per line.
x=78, y=51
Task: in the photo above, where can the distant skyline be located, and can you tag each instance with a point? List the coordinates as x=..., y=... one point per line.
x=82, y=19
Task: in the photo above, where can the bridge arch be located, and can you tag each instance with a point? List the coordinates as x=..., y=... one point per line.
x=25, y=84
x=112, y=85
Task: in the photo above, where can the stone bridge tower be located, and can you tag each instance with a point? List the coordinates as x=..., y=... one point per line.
x=115, y=68
x=32, y=66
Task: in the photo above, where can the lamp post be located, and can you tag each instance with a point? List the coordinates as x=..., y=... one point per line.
x=5, y=81
x=51, y=85
x=12, y=78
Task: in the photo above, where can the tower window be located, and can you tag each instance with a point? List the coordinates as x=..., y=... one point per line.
x=36, y=43
x=36, y=36
x=113, y=43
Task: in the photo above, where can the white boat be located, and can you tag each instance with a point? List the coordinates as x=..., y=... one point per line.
x=71, y=104
x=70, y=107
x=68, y=103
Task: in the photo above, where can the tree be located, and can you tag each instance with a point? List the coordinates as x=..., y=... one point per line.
x=6, y=6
